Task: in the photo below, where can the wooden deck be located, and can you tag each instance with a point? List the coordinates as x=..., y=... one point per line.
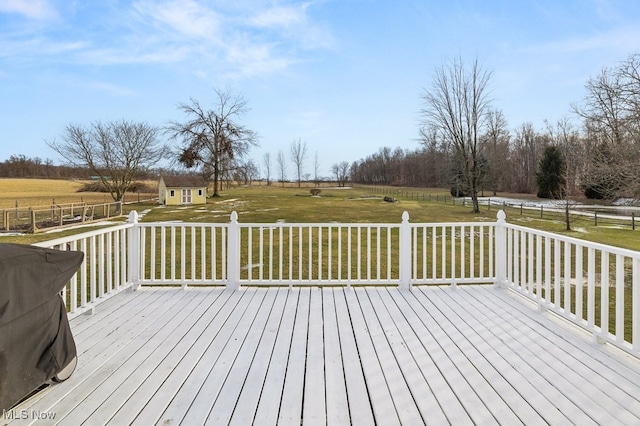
x=436, y=355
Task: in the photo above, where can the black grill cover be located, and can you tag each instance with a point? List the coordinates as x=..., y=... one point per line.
x=35, y=338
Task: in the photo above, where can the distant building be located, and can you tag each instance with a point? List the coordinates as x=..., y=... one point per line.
x=182, y=190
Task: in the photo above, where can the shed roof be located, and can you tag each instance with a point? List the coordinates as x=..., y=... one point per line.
x=184, y=181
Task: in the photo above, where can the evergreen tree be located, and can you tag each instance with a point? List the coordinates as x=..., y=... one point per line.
x=551, y=174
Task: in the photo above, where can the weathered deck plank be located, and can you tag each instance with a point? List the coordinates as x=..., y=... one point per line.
x=584, y=374
x=290, y=411
x=474, y=354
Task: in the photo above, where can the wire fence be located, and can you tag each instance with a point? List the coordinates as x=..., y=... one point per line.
x=578, y=213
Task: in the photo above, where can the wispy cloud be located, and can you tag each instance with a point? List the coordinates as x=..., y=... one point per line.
x=292, y=22
x=248, y=60
x=280, y=16
x=115, y=56
x=110, y=88
x=32, y=9
x=38, y=47
x=233, y=40
x=245, y=40
x=180, y=17
x=622, y=39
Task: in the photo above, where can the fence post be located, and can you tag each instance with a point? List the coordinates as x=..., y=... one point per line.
x=405, y=253
x=32, y=218
x=133, y=270
x=233, y=253
x=501, y=250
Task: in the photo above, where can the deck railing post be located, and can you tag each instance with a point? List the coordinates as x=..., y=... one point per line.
x=501, y=250
x=134, y=252
x=233, y=253
x=405, y=253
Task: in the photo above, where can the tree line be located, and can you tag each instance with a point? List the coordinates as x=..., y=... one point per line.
x=509, y=160
x=21, y=166
x=466, y=143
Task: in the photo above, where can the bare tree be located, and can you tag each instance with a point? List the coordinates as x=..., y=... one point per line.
x=116, y=151
x=341, y=172
x=316, y=169
x=282, y=166
x=495, y=146
x=212, y=139
x=566, y=136
x=246, y=171
x=437, y=155
x=526, y=148
x=298, y=155
x=266, y=162
x=611, y=113
x=457, y=104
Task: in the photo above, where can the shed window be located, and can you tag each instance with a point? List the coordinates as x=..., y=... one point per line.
x=172, y=193
x=199, y=192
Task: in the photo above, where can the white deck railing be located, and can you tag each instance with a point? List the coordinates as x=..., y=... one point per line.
x=595, y=286
x=105, y=269
x=567, y=276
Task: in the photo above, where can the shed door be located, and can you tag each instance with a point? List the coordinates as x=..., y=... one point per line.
x=186, y=196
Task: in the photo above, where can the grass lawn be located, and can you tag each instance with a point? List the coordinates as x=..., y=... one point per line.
x=296, y=205
x=263, y=204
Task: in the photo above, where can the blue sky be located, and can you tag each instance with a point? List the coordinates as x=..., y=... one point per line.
x=344, y=76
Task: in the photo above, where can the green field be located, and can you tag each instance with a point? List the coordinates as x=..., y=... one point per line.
x=264, y=204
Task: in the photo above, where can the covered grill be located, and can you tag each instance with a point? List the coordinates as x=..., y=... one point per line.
x=36, y=344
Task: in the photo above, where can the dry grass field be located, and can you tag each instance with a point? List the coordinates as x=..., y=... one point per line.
x=260, y=203
x=44, y=192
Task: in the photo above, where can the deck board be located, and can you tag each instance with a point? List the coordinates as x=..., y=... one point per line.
x=336, y=389
x=314, y=403
x=528, y=401
x=382, y=406
x=268, y=404
x=155, y=368
x=424, y=351
x=367, y=355
x=446, y=356
x=355, y=382
x=601, y=396
x=193, y=402
x=381, y=334
x=110, y=376
x=290, y=411
x=245, y=407
x=488, y=356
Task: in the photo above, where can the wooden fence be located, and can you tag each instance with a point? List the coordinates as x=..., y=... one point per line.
x=38, y=219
